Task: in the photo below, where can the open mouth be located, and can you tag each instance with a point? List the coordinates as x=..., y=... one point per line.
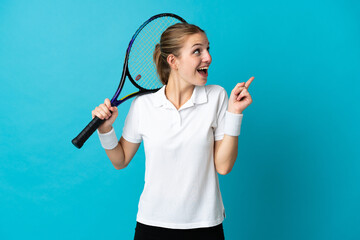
x=203, y=71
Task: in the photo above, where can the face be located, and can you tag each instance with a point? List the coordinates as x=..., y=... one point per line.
x=194, y=60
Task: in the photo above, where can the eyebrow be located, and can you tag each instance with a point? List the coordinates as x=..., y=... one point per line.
x=199, y=44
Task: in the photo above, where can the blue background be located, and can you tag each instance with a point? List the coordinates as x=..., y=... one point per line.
x=297, y=175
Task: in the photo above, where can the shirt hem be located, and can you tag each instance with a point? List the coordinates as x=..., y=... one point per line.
x=129, y=139
x=181, y=225
x=219, y=137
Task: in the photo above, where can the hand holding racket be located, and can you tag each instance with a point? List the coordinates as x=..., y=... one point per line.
x=107, y=113
x=138, y=66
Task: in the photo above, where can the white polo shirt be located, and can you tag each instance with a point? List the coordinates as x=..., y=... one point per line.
x=181, y=184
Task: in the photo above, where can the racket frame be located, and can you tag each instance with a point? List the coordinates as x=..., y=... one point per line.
x=114, y=101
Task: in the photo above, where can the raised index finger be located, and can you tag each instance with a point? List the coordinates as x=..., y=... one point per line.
x=247, y=84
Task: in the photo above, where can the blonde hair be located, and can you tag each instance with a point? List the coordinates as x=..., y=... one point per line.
x=171, y=41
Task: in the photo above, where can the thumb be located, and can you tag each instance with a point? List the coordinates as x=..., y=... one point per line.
x=114, y=111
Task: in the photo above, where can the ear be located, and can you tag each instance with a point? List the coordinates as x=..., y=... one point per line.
x=172, y=61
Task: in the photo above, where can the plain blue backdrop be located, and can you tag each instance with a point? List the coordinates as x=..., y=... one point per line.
x=297, y=175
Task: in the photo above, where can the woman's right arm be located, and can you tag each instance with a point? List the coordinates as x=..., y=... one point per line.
x=121, y=155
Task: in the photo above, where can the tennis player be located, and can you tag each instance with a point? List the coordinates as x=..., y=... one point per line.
x=190, y=134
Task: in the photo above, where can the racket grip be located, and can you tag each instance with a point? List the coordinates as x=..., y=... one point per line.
x=87, y=132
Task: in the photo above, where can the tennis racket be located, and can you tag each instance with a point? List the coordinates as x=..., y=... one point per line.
x=139, y=67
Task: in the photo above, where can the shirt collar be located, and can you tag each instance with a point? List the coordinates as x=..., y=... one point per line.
x=199, y=96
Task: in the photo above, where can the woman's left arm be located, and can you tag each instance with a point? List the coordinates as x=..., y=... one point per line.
x=225, y=150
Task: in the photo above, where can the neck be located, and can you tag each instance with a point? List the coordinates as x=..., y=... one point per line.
x=178, y=92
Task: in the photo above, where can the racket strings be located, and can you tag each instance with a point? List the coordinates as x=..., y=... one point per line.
x=140, y=64
x=143, y=57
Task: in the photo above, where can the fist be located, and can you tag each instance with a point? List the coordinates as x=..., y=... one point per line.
x=105, y=112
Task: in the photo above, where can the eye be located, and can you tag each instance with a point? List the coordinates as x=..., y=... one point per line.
x=196, y=51
x=208, y=49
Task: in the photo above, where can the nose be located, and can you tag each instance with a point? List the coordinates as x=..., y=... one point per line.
x=207, y=57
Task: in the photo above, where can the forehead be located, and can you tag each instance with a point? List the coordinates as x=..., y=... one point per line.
x=197, y=38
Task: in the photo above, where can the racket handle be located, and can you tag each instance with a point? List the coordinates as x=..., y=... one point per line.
x=87, y=132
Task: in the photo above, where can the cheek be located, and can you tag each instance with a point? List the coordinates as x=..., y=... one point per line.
x=189, y=68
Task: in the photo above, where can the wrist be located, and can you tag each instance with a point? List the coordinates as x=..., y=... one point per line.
x=233, y=123
x=105, y=129
x=234, y=111
x=108, y=140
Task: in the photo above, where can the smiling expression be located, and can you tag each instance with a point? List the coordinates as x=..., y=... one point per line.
x=194, y=59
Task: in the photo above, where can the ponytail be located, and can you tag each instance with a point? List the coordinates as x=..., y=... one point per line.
x=162, y=67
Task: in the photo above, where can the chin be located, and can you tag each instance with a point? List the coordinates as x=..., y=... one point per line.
x=202, y=82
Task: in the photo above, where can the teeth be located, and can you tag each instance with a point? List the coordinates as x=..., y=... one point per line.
x=203, y=68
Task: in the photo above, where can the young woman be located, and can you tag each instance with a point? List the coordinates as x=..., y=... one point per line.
x=190, y=133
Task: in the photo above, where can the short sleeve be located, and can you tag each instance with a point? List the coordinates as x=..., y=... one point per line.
x=222, y=107
x=131, y=128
